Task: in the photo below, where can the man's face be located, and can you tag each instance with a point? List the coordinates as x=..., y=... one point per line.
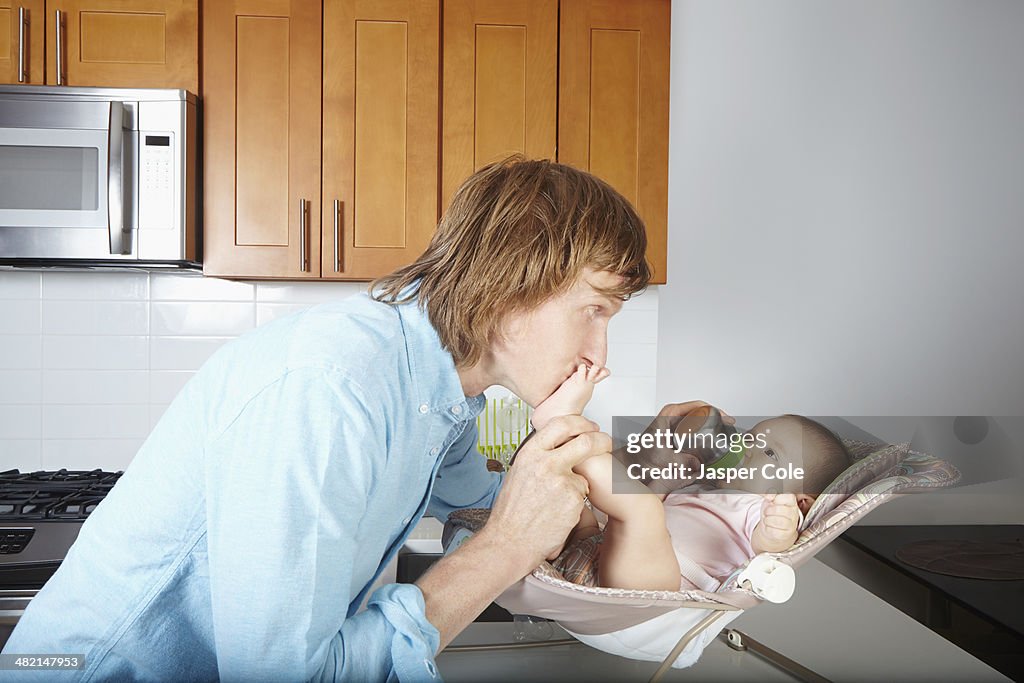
x=540, y=349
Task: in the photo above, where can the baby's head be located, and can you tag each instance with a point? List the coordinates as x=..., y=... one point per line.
x=802, y=442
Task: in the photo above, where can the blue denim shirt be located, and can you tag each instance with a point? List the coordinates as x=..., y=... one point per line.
x=246, y=532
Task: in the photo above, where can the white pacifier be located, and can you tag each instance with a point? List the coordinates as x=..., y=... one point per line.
x=768, y=578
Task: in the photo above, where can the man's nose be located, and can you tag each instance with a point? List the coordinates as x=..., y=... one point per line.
x=596, y=350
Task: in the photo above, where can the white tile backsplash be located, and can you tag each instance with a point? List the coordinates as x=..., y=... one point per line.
x=96, y=421
x=21, y=386
x=267, y=312
x=71, y=352
x=174, y=287
x=20, y=351
x=620, y=395
x=95, y=386
x=20, y=285
x=307, y=292
x=203, y=318
x=164, y=385
x=645, y=301
x=96, y=317
x=633, y=327
x=21, y=454
x=88, y=454
x=632, y=360
x=96, y=286
x=89, y=361
x=19, y=316
x=182, y=353
x=20, y=421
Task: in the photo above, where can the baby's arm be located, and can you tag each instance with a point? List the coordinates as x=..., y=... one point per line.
x=777, y=530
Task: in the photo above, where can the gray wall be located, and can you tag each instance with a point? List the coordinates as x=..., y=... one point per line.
x=846, y=212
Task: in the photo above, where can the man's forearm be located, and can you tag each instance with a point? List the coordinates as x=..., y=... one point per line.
x=460, y=586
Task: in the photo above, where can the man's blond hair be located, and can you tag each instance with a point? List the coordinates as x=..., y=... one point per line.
x=516, y=233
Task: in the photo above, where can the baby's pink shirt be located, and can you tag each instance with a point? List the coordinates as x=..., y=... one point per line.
x=711, y=534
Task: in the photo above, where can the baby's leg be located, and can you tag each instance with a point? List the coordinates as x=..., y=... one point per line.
x=637, y=550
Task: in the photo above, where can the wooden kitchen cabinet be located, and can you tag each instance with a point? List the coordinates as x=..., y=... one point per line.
x=124, y=43
x=613, y=99
x=500, y=84
x=380, y=134
x=501, y=90
x=22, y=46
x=581, y=81
x=114, y=43
x=262, y=120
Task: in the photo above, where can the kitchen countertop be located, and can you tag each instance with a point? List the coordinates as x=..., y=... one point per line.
x=830, y=625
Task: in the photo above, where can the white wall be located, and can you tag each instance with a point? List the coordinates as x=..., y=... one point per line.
x=89, y=360
x=846, y=215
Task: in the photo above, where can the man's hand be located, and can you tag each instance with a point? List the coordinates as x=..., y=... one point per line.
x=777, y=530
x=541, y=499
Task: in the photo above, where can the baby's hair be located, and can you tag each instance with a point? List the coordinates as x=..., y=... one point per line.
x=832, y=457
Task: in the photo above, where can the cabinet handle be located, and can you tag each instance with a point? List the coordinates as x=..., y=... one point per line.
x=337, y=235
x=60, y=49
x=303, y=256
x=22, y=23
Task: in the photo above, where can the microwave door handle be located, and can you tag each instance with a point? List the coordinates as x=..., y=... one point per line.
x=115, y=181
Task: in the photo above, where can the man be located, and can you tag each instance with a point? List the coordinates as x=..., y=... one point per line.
x=246, y=532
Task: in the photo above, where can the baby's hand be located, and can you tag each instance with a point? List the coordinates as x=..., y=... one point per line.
x=777, y=530
x=571, y=397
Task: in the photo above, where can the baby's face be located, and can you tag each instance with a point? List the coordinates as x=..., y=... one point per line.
x=782, y=439
x=784, y=444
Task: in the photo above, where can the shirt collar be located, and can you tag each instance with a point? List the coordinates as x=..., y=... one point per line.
x=436, y=383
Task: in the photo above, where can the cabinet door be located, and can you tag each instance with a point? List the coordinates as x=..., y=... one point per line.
x=613, y=104
x=500, y=84
x=125, y=43
x=21, y=47
x=380, y=104
x=262, y=138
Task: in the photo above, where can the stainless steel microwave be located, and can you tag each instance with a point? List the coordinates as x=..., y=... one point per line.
x=98, y=176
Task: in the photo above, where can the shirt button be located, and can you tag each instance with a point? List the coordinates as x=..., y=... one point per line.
x=424, y=408
x=435, y=450
x=430, y=668
x=406, y=520
x=457, y=410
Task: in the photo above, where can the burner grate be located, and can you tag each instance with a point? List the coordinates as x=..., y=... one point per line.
x=61, y=494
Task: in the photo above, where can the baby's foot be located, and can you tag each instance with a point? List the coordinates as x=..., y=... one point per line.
x=571, y=397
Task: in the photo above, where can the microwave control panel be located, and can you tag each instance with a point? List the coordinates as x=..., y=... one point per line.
x=156, y=181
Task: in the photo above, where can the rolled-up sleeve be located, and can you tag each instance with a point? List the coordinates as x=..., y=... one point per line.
x=463, y=480
x=287, y=488
x=395, y=617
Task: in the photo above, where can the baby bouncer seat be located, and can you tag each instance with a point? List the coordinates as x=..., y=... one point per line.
x=674, y=627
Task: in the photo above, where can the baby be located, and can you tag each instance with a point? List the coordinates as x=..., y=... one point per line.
x=719, y=530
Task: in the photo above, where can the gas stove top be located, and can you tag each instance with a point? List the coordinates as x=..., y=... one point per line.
x=60, y=495
x=40, y=516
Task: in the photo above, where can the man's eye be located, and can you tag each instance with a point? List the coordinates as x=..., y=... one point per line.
x=770, y=453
